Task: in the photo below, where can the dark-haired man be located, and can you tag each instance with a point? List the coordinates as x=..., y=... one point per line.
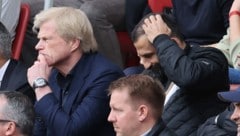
x=196, y=73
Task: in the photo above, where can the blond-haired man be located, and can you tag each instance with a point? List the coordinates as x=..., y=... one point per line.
x=69, y=77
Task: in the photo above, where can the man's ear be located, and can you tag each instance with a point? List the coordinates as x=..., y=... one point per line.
x=10, y=129
x=143, y=112
x=75, y=44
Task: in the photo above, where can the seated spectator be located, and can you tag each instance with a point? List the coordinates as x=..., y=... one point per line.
x=197, y=73
x=107, y=16
x=136, y=106
x=16, y=113
x=9, y=17
x=234, y=97
x=13, y=74
x=70, y=77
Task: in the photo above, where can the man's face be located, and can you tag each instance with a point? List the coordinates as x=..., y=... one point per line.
x=123, y=115
x=51, y=45
x=236, y=115
x=146, y=52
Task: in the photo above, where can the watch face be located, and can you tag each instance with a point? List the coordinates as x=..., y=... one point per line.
x=40, y=82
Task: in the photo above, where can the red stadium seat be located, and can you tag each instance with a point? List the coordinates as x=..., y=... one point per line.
x=20, y=31
x=159, y=5
x=128, y=51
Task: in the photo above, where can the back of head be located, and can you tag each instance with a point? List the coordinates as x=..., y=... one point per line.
x=19, y=109
x=5, y=42
x=71, y=24
x=142, y=88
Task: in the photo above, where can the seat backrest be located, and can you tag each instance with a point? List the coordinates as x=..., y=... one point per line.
x=20, y=31
x=159, y=5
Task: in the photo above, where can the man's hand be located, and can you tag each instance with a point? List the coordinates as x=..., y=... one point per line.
x=154, y=26
x=40, y=68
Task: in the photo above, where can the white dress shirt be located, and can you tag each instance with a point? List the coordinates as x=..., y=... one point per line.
x=171, y=90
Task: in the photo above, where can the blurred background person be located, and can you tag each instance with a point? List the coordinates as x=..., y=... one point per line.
x=10, y=12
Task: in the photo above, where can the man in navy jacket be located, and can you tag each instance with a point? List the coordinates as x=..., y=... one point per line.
x=69, y=77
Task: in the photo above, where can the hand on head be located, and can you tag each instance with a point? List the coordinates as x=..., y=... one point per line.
x=154, y=26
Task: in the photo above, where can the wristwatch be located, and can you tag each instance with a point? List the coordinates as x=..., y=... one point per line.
x=39, y=83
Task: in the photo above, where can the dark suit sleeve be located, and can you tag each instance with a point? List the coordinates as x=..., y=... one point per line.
x=87, y=114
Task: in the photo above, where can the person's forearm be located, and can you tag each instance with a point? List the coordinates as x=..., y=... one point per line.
x=234, y=19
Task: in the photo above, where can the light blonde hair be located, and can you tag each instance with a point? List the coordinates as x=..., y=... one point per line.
x=71, y=24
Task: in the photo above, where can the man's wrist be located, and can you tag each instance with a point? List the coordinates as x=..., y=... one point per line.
x=39, y=83
x=157, y=37
x=234, y=12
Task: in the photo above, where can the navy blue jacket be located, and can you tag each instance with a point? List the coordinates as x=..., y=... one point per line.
x=86, y=108
x=202, y=22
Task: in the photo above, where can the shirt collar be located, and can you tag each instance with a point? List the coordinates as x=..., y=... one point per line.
x=146, y=133
x=3, y=70
x=64, y=81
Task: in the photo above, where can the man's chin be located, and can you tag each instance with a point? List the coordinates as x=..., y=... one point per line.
x=119, y=134
x=157, y=72
x=154, y=71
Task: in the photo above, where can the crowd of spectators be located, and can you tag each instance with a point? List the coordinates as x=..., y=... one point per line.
x=71, y=81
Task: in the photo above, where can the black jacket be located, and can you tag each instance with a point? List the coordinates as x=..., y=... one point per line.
x=220, y=125
x=200, y=72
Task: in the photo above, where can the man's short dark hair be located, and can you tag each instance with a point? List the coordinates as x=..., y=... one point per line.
x=167, y=17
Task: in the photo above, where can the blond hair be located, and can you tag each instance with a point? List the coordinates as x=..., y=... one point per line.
x=71, y=24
